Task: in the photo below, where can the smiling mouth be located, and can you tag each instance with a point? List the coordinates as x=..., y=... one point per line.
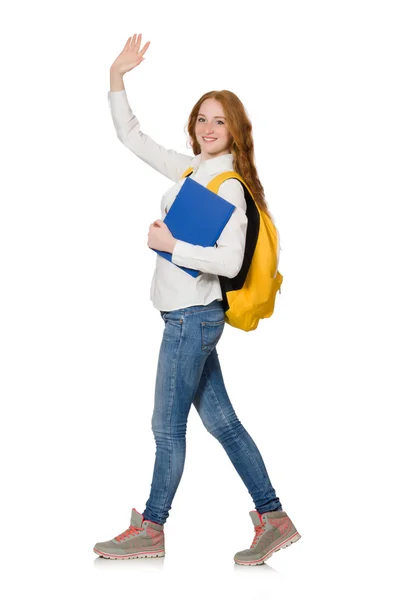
x=209, y=139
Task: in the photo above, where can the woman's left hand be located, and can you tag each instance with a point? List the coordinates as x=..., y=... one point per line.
x=160, y=237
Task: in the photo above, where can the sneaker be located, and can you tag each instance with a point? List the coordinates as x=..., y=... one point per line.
x=143, y=539
x=273, y=530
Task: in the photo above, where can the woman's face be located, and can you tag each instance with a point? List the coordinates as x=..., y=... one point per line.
x=211, y=123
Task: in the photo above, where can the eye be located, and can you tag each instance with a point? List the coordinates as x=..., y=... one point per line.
x=219, y=121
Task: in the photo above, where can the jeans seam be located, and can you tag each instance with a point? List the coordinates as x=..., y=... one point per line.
x=203, y=326
x=193, y=312
x=236, y=437
x=170, y=406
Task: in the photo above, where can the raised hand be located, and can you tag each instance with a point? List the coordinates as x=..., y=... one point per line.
x=130, y=57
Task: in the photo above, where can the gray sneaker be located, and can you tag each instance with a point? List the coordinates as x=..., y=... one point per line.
x=143, y=539
x=273, y=530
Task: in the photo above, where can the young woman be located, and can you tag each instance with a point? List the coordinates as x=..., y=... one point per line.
x=192, y=310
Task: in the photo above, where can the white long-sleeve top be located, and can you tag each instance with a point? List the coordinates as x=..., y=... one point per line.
x=171, y=287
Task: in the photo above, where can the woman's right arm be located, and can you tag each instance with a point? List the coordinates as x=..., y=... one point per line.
x=168, y=162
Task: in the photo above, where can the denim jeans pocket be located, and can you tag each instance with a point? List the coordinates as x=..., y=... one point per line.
x=172, y=319
x=211, y=332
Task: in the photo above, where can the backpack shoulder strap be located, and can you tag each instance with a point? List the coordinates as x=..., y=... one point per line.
x=215, y=183
x=186, y=173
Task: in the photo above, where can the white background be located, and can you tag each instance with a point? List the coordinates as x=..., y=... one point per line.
x=313, y=385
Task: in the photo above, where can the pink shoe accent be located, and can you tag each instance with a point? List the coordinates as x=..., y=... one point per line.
x=128, y=533
x=259, y=529
x=157, y=536
x=283, y=524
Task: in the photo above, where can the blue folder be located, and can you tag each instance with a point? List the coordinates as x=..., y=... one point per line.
x=197, y=216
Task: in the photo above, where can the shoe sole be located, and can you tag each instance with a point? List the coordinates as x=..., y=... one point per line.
x=260, y=561
x=155, y=554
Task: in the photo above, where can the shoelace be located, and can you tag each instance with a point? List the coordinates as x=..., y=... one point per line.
x=128, y=532
x=259, y=529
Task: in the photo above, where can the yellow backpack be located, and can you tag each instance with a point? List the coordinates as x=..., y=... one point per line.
x=251, y=295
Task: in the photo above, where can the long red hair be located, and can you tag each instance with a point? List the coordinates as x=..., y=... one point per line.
x=242, y=145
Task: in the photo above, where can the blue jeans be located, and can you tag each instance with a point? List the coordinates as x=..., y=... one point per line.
x=189, y=372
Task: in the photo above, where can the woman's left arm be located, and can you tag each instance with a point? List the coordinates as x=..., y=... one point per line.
x=227, y=258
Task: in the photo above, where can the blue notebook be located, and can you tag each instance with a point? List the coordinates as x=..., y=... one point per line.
x=197, y=216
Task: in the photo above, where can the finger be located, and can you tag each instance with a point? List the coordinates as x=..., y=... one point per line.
x=146, y=46
x=127, y=44
x=131, y=47
x=138, y=42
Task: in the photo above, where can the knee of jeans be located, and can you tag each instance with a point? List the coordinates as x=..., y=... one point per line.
x=154, y=424
x=223, y=429
x=161, y=429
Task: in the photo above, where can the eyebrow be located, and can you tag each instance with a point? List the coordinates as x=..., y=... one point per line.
x=218, y=117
